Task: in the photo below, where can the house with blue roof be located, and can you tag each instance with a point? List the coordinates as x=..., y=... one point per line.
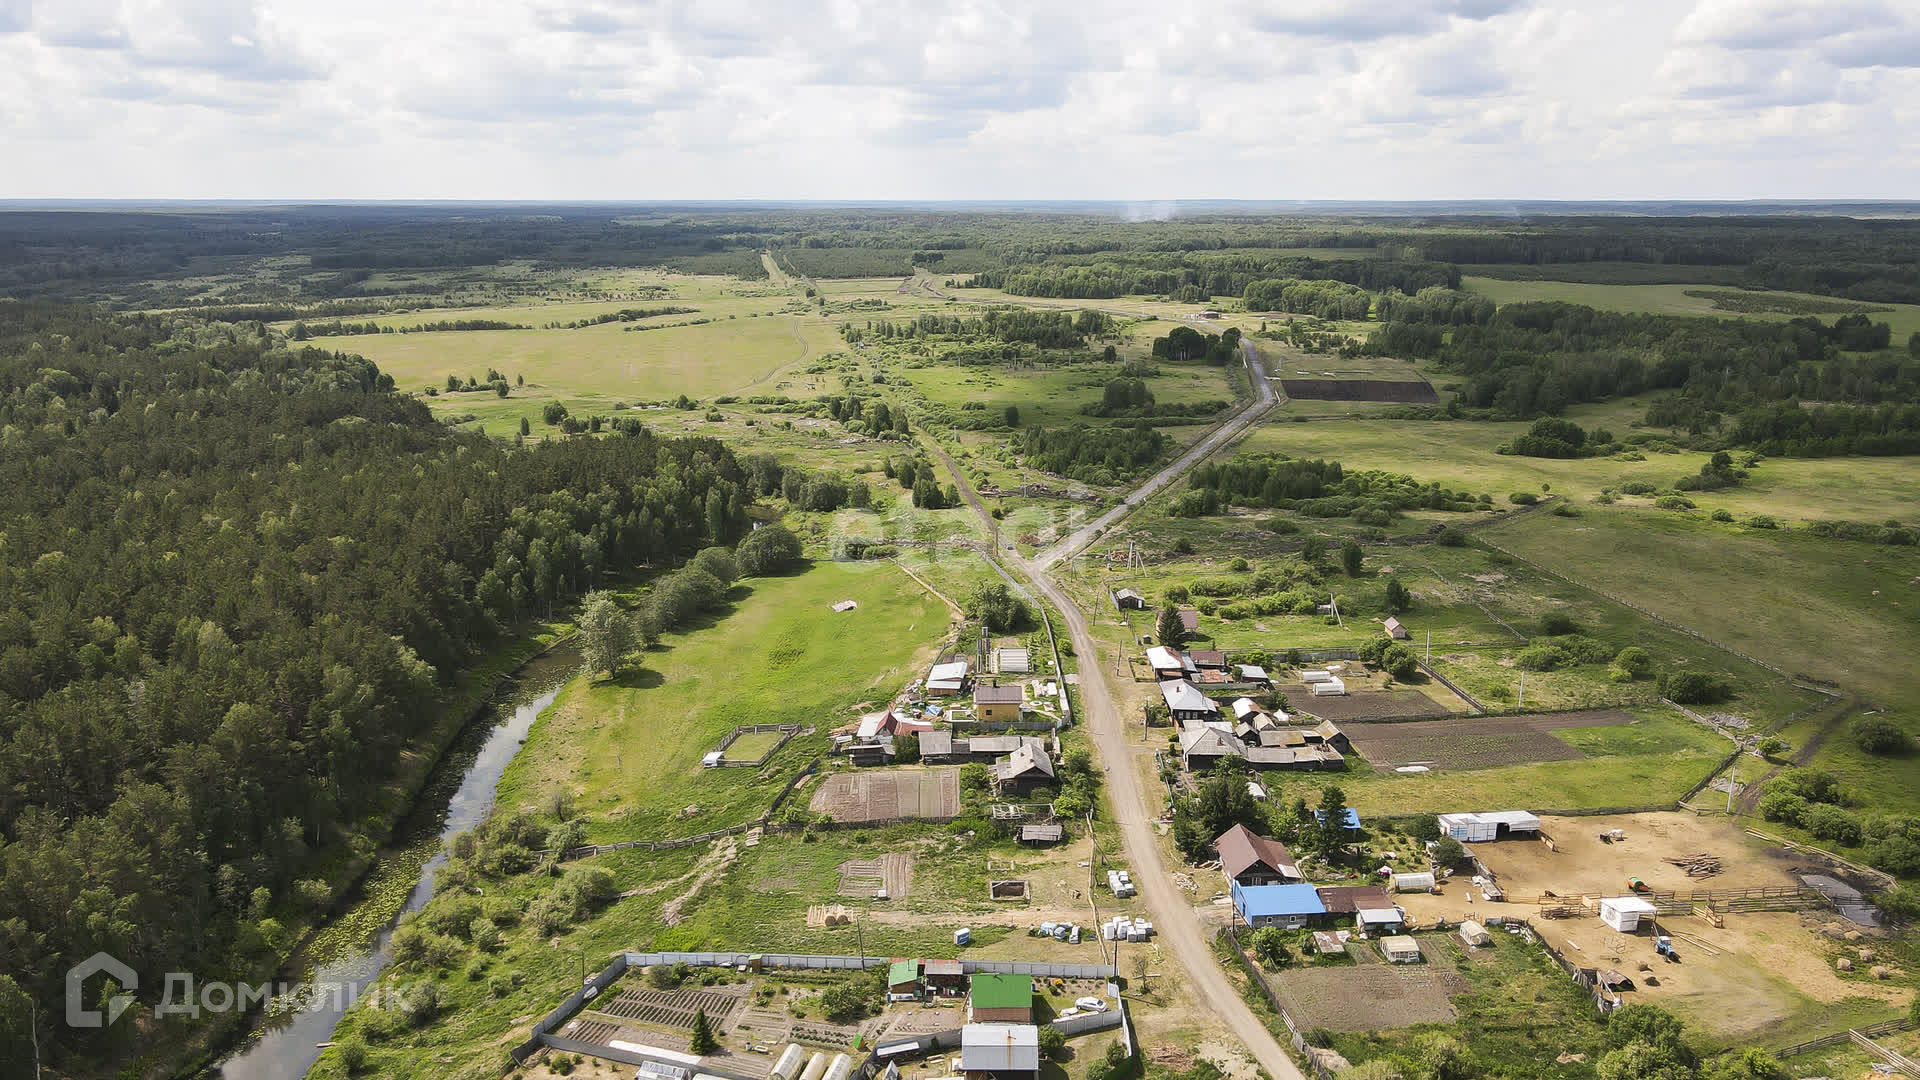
x=1287, y=906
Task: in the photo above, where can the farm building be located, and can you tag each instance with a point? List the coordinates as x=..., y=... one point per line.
x=998, y=703
x=1248, y=858
x=1186, y=703
x=1013, y=661
x=1042, y=835
x=1347, y=899
x=1254, y=673
x=903, y=977
x=1312, y=676
x=1168, y=664
x=1000, y=999
x=937, y=747
x=1208, y=659
x=879, y=751
x=1421, y=882
x=1000, y=1049
x=1128, y=600
x=1476, y=828
x=1333, y=687
x=946, y=976
x=1023, y=770
x=1394, y=629
x=1287, y=906
x=1293, y=757
x=1201, y=748
x=1204, y=746
x=1328, y=734
x=987, y=748
x=1190, y=620
x=1624, y=913
x=947, y=680
x=1400, y=950
x=1472, y=933
x=1378, y=920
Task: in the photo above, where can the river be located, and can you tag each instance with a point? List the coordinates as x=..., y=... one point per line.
x=288, y=1044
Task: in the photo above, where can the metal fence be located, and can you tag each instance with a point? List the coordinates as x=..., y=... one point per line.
x=856, y=963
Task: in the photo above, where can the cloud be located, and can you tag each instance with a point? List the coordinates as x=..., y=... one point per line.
x=1353, y=22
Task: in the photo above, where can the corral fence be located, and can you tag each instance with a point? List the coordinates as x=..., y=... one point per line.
x=787, y=732
x=1873, y=1031
x=1458, y=690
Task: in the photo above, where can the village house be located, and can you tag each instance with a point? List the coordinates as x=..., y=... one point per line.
x=1128, y=600
x=1186, y=704
x=940, y=747
x=997, y=704
x=1168, y=664
x=1000, y=999
x=1394, y=629
x=1348, y=899
x=1190, y=620
x=1208, y=659
x=1000, y=1050
x=1289, y=907
x=1023, y=770
x=1203, y=747
x=903, y=979
x=1247, y=858
x=947, y=680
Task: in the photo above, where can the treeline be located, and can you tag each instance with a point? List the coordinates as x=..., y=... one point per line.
x=1315, y=488
x=1535, y=359
x=237, y=576
x=1790, y=430
x=1195, y=277
x=803, y=488
x=303, y=330
x=1046, y=329
x=1185, y=345
x=1092, y=455
x=623, y=315
x=1323, y=299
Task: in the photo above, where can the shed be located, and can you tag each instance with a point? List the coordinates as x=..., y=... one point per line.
x=903, y=977
x=1287, y=906
x=1400, y=950
x=1190, y=620
x=1477, y=828
x=1350, y=819
x=712, y=758
x=1472, y=933
x=1253, y=673
x=936, y=745
x=946, y=975
x=1125, y=599
x=1329, y=942
x=1331, y=688
x=1186, y=703
x=1380, y=918
x=1421, y=882
x=1624, y=913
x=1347, y=899
x=1026, y=768
x=1013, y=661
x=1042, y=834
x=1394, y=629
x=1246, y=708
x=998, y=703
x=947, y=680
x=999, y=1048
x=1248, y=858
x=1002, y=999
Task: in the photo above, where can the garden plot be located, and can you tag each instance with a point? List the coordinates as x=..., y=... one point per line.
x=1476, y=742
x=672, y=1008
x=1362, y=704
x=1369, y=997
x=892, y=873
x=889, y=795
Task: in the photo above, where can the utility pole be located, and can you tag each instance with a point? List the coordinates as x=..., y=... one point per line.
x=1429, y=648
x=1522, y=703
x=1732, y=774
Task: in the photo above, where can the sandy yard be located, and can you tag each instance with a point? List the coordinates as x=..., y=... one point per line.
x=1762, y=968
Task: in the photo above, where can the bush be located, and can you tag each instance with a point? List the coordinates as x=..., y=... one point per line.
x=1722, y=515
x=1783, y=806
x=1556, y=623
x=1448, y=852
x=1694, y=688
x=1542, y=657
x=1053, y=1043
x=1637, y=661
x=1879, y=735
x=1523, y=498
x=1772, y=746
x=1450, y=537
x=1762, y=521
x=1637, y=487
x=353, y=1055
x=1673, y=502
x=845, y=1003
x=771, y=549
x=1270, y=948
x=1829, y=822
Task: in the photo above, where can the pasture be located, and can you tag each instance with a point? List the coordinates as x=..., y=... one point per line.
x=628, y=750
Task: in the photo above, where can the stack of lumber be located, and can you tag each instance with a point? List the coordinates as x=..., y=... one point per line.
x=1700, y=864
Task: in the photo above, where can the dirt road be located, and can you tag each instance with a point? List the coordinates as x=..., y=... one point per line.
x=1181, y=934
x=1198, y=452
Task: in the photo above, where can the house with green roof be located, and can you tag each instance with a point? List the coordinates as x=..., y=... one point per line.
x=1000, y=999
x=903, y=977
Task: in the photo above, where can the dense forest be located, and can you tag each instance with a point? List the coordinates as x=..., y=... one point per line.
x=236, y=574
x=1313, y=487
x=1197, y=277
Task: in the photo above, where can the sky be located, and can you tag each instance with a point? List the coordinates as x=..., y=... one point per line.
x=960, y=99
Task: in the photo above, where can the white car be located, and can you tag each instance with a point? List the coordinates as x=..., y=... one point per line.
x=1091, y=1004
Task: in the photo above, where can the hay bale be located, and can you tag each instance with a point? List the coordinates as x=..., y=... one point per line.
x=1843, y=964
x=1881, y=971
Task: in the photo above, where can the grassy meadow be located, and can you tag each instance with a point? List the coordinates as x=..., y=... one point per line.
x=1668, y=300
x=774, y=658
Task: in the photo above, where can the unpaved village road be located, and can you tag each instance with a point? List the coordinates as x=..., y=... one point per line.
x=1198, y=452
x=1134, y=807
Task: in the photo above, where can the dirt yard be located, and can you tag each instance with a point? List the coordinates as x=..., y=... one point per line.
x=1476, y=742
x=1369, y=996
x=888, y=793
x=892, y=873
x=1760, y=970
x=1360, y=704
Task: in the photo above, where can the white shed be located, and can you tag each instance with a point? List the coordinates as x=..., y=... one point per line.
x=1413, y=882
x=1472, y=933
x=999, y=1048
x=1624, y=913
x=1315, y=675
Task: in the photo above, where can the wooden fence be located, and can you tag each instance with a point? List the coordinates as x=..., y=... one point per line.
x=1872, y=1031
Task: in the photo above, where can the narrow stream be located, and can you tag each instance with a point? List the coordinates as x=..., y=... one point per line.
x=288, y=1045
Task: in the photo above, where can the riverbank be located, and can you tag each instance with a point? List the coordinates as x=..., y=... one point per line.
x=346, y=920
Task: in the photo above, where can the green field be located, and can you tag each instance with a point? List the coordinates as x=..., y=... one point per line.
x=1665, y=300
x=1459, y=454
x=1051, y=398
x=773, y=659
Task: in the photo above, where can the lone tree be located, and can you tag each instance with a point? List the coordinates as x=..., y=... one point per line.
x=607, y=635
x=1173, y=632
x=702, y=1041
x=1351, y=557
x=1398, y=598
x=1333, y=822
